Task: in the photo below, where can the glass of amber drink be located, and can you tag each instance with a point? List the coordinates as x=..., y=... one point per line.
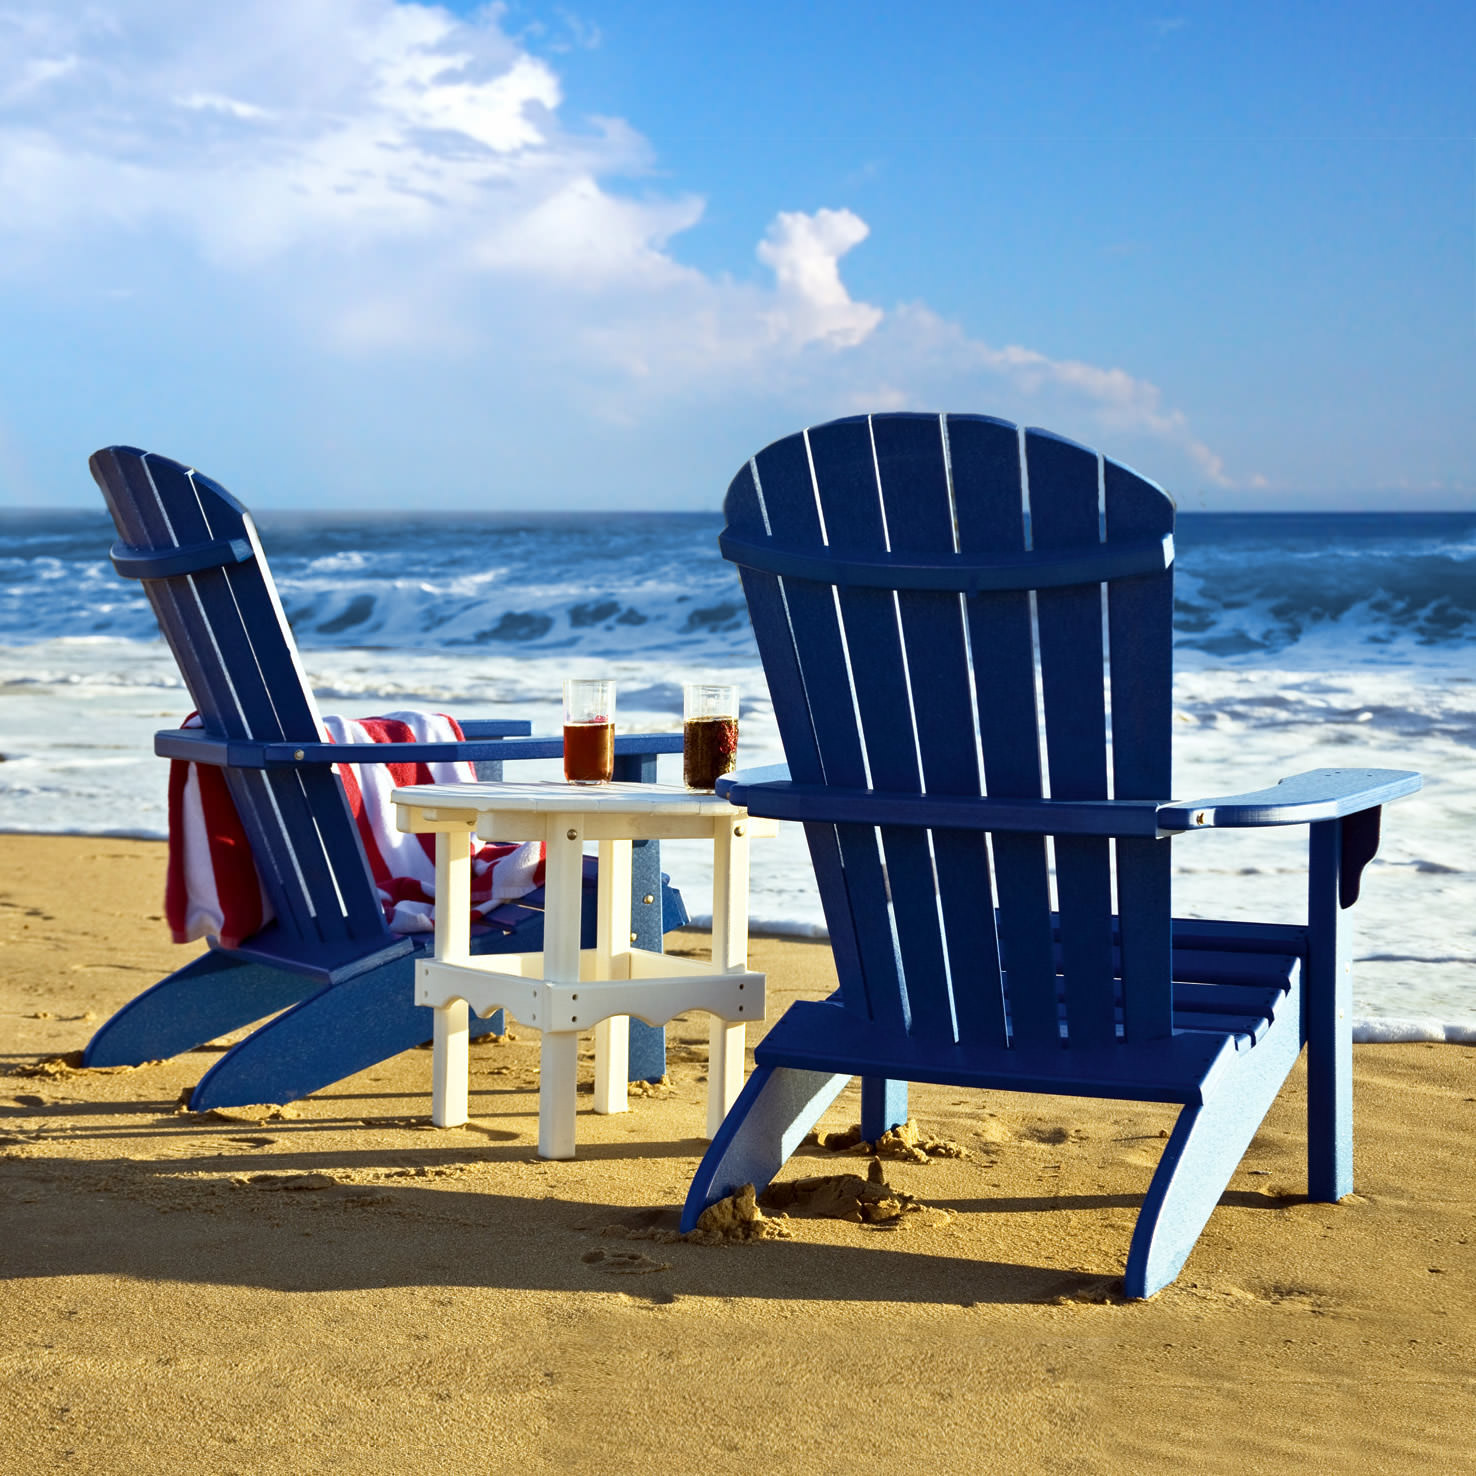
x=589, y=730
x=709, y=732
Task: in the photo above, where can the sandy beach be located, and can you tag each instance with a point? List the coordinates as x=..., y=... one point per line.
x=340, y=1287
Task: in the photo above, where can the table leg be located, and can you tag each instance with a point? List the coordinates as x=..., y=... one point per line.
x=729, y=953
x=450, y=1072
x=559, y=1051
x=612, y=961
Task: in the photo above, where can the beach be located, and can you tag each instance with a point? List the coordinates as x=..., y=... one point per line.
x=338, y=1286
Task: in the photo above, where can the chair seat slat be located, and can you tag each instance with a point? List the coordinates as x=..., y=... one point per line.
x=817, y=1036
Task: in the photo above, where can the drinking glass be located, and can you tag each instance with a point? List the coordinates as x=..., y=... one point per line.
x=589, y=730
x=709, y=732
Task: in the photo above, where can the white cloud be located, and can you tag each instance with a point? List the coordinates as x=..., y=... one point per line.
x=213, y=102
x=391, y=183
x=262, y=127
x=1120, y=400
x=804, y=252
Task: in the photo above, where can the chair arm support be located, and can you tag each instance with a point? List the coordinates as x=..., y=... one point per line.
x=1302, y=799
x=245, y=753
x=780, y=799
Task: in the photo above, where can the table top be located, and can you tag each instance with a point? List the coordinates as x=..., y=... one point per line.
x=551, y=796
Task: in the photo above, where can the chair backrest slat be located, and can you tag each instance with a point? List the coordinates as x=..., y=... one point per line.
x=770, y=619
x=238, y=659
x=987, y=489
x=1140, y=641
x=917, y=495
x=1064, y=513
x=909, y=688
x=843, y=459
x=139, y=513
x=787, y=490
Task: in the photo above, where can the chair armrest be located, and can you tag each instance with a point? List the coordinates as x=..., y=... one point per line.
x=246, y=753
x=780, y=799
x=1320, y=794
x=476, y=728
x=1302, y=799
x=764, y=774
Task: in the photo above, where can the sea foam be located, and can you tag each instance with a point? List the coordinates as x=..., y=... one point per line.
x=1301, y=643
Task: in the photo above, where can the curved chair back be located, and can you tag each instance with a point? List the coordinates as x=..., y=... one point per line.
x=950, y=605
x=195, y=549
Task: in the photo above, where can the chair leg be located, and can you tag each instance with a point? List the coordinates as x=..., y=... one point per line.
x=332, y=1034
x=1329, y=1020
x=210, y=995
x=1203, y=1151
x=883, y=1106
x=774, y=1111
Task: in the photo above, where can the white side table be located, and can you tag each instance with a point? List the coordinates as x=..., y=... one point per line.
x=564, y=990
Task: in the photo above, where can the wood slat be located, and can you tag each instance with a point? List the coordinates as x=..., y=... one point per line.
x=155, y=505
x=138, y=501
x=985, y=460
x=1063, y=486
x=915, y=489
x=769, y=616
x=284, y=696
x=787, y=491
x=844, y=465
x=1140, y=640
x=912, y=466
x=241, y=612
x=238, y=659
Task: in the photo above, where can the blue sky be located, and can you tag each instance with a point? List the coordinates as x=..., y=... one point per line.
x=359, y=253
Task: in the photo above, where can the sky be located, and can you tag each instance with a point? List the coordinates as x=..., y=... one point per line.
x=350, y=254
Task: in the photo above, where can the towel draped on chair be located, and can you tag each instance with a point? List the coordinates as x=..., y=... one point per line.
x=213, y=887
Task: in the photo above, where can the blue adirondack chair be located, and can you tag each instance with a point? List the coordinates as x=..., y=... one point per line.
x=328, y=962
x=913, y=619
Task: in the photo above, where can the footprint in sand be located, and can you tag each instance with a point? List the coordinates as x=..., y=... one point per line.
x=623, y=1263
x=1054, y=1137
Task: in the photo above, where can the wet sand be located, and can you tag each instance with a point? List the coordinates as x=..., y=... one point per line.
x=341, y=1287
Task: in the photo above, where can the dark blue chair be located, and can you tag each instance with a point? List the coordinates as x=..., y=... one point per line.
x=328, y=962
x=966, y=631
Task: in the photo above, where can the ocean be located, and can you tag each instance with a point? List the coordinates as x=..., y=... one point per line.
x=1302, y=641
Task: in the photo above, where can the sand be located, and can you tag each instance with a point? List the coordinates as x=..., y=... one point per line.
x=340, y=1287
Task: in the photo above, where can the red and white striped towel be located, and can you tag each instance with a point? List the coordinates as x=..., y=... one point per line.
x=213, y=886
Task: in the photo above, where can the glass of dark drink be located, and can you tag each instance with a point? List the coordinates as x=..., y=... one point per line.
x=709, y=732
x=589, y=731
